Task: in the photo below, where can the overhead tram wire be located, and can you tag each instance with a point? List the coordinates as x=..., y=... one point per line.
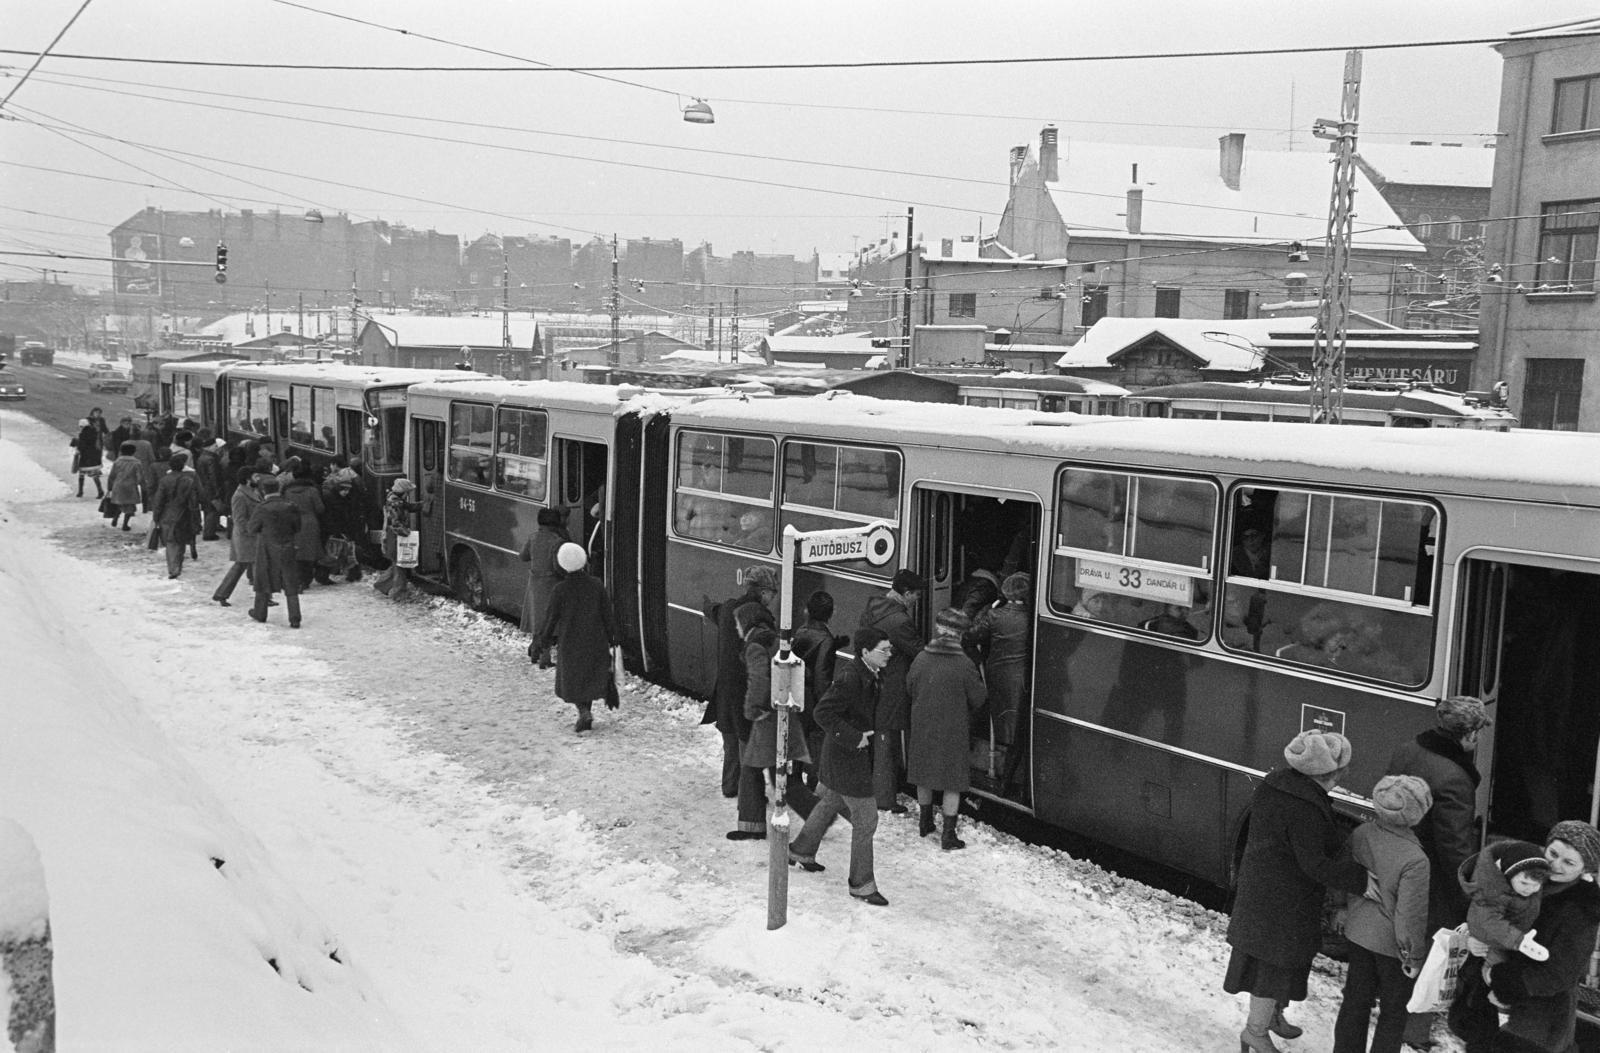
x=40, y=56
x=790, y=66
x=631, y=142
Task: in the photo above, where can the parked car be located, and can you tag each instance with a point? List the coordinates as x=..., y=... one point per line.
x=106, y=376
x=35, y=353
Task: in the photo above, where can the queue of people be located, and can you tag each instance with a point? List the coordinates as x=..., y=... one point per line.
x=1532, y=911
x=198, y=487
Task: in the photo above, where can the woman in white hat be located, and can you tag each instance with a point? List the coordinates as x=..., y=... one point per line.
x=579, y=616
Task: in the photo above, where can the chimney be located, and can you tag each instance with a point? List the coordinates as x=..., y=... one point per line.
x=1231, y=158
x=1019, y=154
x=1135, y=209
x=1048, y=170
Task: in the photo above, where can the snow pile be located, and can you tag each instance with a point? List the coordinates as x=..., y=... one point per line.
x=25, y=906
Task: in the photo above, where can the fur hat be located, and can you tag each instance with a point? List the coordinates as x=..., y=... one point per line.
x=401, y=486
x=760, y=576
x=1521, y=857
x=1401, y=800
x=1318, y=752
x=1460, y=715
x=1582, y=838
x=571, y=557
x=908, y=581
x=1017, y=586
x=953, y=620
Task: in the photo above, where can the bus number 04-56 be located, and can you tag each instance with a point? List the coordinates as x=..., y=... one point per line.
x=469, y=504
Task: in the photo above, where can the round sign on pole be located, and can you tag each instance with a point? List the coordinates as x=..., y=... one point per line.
x=880, y=546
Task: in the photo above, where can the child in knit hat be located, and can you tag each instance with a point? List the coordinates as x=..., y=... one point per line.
x=1504, y=890
x=1388, y=926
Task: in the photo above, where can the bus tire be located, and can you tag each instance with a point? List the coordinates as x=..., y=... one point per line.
x=467, y=577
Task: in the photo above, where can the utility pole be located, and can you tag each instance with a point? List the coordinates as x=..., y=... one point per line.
x=505, y=307
x=300, y=314
x=613, y=355
x=1333, y=318
x=355, y=309
x=733, y=329
x=905, y=310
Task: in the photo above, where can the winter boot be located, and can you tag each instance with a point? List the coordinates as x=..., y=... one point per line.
x=1255, y=1038
x=585, y=719
x=947, y=837
x=1281, y=1027
x=925, y=820
x=80, y=486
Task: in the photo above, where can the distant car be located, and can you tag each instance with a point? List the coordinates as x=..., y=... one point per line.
x=12, y=391
x=104, y=376
x=35, y=353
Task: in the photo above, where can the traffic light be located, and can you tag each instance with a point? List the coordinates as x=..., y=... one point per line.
x=222, y=263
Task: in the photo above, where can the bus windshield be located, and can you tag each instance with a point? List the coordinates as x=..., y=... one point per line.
x=383, y=442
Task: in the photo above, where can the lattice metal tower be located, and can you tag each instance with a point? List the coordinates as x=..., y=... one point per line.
x=1333, y=318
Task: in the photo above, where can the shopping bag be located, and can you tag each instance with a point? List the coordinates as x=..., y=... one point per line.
x=337, y=554
x=109, y=510
x=406, y=550
x=153, y=542
x=1435, y=987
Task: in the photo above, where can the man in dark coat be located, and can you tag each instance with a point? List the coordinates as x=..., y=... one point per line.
x=844, y=785
x=274, y=524
x=726, y=707
x=1448, y=833
x=891, y=614
x=208, y=470
x=579, y=615
x=177, y=510
x=815, y=644
x=241, y=545
x=945, y=690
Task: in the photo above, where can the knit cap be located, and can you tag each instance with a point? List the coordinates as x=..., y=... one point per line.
x=1401, y=800
x=1582, y=838
x=1521, y=857
x=1460, y=714
x=1318, y=752
x=571, y=558
x=761, y=576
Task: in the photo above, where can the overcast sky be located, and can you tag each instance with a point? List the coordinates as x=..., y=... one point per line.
x=576, y=155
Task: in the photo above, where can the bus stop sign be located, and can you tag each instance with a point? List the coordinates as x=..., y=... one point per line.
x=873, y=543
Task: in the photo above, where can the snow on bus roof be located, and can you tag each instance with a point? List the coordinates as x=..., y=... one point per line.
x=338, y=371
x=1568, y=460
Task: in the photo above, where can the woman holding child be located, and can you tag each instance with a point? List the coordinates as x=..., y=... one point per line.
x=1540, y=996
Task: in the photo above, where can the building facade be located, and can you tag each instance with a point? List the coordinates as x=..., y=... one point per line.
x=1541, y=319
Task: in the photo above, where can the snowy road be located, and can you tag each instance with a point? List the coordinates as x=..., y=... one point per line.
x=405, y=785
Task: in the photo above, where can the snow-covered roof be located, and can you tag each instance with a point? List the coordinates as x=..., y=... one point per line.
x=1282, y=196
x=1430, y=165
x=1110, y=335
x=848, y=343
x=237, y=328
x=834, y=266
x=436, y=330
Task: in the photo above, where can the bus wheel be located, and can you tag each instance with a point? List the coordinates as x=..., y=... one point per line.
x=468, y=581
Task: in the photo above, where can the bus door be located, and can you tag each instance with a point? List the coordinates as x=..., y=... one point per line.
x=280, y=426
x=968, y=542
x=209, y=416
x=581, y=468
x=1525, y=632
x=427, y=472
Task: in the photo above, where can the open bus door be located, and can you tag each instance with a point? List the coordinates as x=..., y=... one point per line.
x=427, y=471
x=959, y=532
x=1525, y=646
x=579, y=491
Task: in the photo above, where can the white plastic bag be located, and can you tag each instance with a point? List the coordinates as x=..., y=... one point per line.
x=1435, y=988
x=406, y=550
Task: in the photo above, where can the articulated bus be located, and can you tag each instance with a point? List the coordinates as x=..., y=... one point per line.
x=1203, y=591
x=1288, y=398
x=317, y=411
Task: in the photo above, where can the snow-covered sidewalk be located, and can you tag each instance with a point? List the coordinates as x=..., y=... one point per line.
x=391, y=807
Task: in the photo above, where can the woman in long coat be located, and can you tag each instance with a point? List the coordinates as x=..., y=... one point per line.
x=89, y=456
x=945, y=690
x=241, y=543
x=177, y=511
x=579, y=615
x=1295, y=852
x=302, y=491
x=539, y=553
x=761, y=748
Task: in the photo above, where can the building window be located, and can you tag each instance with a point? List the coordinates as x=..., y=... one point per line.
x=1577, y=104
x=1167, y=302
x=1095, y=304
x=1569, y=236
x=1236, y=303
x=963, y=305
x=1424, y=227
x=1550, y=399
x=1453, y=231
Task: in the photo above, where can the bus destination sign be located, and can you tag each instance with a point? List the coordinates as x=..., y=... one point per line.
x=873, y=543
x=1163, y=586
